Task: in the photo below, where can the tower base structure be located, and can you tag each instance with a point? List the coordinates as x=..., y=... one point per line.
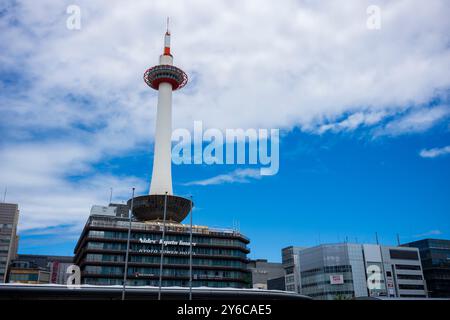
x=151, y=207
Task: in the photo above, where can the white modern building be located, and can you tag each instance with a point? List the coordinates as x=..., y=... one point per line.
x=346, y=270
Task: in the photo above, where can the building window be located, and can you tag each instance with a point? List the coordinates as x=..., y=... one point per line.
x=406, y=267
x=409, y=276
x=411, y=287
x=404, y=254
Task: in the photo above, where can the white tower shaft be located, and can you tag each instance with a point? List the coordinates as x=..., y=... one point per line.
x=162, y=163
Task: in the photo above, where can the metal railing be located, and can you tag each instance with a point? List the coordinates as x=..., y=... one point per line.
x=156, y=226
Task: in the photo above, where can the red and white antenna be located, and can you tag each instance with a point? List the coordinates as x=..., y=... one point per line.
x=167, y=40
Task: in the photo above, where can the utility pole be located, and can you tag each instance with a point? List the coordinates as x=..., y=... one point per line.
x=190, y=256
x=162, y=246
x=128, y=247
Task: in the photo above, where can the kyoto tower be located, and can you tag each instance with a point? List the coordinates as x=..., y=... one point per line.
x=165, y=78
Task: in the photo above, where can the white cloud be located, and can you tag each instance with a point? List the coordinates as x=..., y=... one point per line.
x=320, y=62
x=415, y=121
x=237, y=176
x=251, y=64
x=54, y=184
x=434, y=152
x=353, y=121
x=428, y=233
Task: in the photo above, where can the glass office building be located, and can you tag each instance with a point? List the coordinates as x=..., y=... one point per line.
x=346, y=270
x=219, y=256
x=435, y=257
x=332, y=271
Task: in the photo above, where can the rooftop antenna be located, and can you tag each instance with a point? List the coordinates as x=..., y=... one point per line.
x=110, y=195
x=167, y=30
x=376, y=237
x=4, y=194
x=398, y=239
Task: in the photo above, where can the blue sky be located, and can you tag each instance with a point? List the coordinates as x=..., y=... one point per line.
x=363, y=116
x=329, y=188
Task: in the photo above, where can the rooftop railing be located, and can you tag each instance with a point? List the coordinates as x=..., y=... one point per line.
x=97, y=221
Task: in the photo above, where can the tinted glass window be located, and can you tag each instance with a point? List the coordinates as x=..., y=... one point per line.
x=404, y=255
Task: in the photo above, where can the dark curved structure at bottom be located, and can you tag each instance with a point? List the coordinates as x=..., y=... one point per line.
x=61, y=292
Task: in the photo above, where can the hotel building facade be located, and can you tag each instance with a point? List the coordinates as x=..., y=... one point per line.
x=219, y=256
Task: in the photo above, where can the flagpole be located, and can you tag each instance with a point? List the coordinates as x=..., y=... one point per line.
x=128, y=248
x=190, y=256
x=162, y=246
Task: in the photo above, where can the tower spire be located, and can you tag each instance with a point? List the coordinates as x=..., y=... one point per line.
x=167, y=40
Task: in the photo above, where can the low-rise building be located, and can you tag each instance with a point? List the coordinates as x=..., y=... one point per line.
x=56, y=266
x=27, y=272
x=262, y=271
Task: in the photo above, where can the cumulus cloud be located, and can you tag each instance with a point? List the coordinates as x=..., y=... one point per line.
x=434, y=152
x=71, y=98
x=237, y=176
